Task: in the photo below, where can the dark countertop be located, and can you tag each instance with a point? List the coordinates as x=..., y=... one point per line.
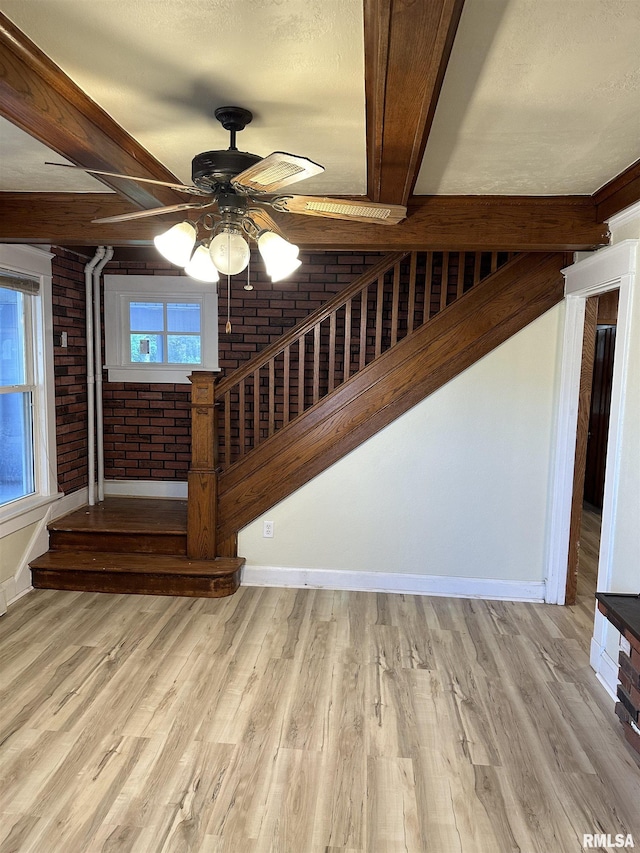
x=622, y=610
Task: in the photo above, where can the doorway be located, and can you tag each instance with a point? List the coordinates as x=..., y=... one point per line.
x=600, y=409
x=594, y=411
x=607, y=269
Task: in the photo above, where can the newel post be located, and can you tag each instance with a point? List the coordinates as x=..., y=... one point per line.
x=202, y=503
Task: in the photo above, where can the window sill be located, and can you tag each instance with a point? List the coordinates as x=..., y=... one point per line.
x=178, y=374
x=24, y=511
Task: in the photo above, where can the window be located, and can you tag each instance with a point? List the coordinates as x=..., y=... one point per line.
x=159, y=329
x=16, y=394
x=27, y=437
x=164, y=332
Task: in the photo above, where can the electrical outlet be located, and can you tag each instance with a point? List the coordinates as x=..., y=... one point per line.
x=267, y=529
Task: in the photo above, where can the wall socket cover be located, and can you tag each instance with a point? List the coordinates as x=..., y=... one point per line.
x=267, y=529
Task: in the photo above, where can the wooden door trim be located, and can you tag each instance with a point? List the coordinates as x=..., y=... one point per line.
x=607, y=269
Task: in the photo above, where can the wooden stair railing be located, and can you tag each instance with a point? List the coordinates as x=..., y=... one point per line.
x=384, y=305
x=388, y=304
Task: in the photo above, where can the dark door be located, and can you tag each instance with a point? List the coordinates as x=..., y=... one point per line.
x=599, y=415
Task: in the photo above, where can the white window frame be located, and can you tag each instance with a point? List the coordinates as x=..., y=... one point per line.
x=120, y=290
x=35, y=263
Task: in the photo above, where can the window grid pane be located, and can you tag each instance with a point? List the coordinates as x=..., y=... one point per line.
x=13, y=352
x=147, y=348
x=183, y=317
x=146, y=316
x=183, y=349
x=16, y=438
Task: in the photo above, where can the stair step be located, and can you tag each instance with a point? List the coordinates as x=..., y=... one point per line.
x=161, y=574
x=124, y=525
x=114, y=541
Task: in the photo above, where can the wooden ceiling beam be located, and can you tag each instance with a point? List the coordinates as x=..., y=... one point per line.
x=618, y=193
x=515, y=223
x=37, y=96
x=407, y=48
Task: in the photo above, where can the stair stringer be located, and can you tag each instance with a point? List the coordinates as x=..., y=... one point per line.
x=485, y=317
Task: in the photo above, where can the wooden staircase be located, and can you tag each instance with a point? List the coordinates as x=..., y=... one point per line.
x=379, y=347
x=384, y=343
x=131, y=545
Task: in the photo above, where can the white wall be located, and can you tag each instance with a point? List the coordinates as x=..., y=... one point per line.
x=457, y=487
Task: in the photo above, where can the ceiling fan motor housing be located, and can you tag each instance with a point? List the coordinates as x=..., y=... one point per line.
x=212, y=168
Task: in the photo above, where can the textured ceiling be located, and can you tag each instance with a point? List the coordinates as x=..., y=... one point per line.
x=540, y=98
x=160, y=67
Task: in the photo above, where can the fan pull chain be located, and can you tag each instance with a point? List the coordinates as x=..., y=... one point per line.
x=228, y=326
x=248, y=285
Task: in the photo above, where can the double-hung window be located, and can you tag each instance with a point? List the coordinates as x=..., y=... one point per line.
x=17, y=388
x=159, y=328
x=27, y=404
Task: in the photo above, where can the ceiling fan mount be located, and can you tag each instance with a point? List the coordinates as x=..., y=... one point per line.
x=212, y=170
x=233, y=118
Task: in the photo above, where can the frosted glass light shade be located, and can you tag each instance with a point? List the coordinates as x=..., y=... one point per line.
x=280, y=257
x=277, y=272
x=201, y=267
x=177, y=243
x=229, y=252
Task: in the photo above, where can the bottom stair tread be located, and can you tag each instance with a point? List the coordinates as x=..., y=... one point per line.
x=157, y=574
x=157, y=564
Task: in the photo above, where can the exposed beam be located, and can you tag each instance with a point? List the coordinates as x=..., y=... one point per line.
x=516, y=223
x=407, y=47
x=37, y=96
x=619, y=193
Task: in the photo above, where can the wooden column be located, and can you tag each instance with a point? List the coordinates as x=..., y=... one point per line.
x=202, y=504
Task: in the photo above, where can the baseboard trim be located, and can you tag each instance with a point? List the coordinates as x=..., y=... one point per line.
x=408, y=584
x=146, y=488
x=9, y=593
x=605, y=668
x=69, y=503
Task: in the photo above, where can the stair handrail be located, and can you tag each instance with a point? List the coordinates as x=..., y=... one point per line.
x=308, y=324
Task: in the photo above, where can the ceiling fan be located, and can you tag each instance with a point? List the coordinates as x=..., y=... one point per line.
x=235, y=190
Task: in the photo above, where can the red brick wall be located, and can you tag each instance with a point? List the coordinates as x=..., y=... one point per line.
x=70, y=367
x=147, y=433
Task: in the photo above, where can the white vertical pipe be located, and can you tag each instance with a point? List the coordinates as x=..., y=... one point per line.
x=91, y=459
x=97, y=333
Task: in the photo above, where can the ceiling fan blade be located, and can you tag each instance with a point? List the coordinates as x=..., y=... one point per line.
x=274, y=172
x=341, y=208
x=155, y=211
x=180, y=187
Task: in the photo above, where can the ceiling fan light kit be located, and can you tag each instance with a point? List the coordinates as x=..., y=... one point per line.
x=230, y=251
x=280, y=257
x=201, y=267
x=176, y=244
x=234, y=188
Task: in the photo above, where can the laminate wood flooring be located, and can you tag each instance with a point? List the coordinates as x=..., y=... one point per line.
x=305, y=721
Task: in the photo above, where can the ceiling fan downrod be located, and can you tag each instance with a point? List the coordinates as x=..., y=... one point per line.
x=233, y=119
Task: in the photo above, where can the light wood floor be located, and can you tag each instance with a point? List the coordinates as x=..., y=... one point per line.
x=589, y=550
x=305, y=721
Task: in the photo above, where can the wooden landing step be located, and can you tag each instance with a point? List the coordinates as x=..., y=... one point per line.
x=128, y=525
x=157, y=574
